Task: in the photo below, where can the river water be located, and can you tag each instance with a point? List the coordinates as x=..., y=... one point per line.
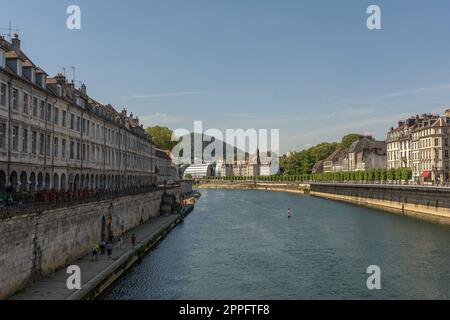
x=241, y=245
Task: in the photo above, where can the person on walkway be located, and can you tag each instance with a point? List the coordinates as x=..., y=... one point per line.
x=94, y=252
x=133, y=240
x=109, y=247
x=119, y=241
x=102, y=247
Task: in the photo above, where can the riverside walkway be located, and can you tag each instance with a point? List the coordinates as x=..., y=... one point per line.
x=97, y=275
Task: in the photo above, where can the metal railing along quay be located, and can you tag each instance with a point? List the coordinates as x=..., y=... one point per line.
x=15, y=203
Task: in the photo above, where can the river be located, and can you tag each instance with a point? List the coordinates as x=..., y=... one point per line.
x=241, y=245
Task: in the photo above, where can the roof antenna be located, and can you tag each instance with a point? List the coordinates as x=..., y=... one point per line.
x=73, y=69
x=9, y=31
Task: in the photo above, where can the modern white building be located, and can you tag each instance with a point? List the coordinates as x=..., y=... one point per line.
x=198, y=171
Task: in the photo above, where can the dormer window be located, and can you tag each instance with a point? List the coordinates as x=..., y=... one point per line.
x=33, y=75
x=59, y=90
x=2, y=59
x=44, y=80
x=19, y=67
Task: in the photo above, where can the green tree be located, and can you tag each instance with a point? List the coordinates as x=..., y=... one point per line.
x=349, y=139
x=162, y=137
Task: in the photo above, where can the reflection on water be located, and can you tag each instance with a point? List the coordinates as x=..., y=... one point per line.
x=241, y=245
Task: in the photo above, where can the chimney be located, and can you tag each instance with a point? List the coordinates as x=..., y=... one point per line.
x=83, y=88
x=3, y=43
x=16, y=43
x=60, y=78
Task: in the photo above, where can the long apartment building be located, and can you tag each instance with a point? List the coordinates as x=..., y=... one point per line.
x=422, y=144
x=54, y=136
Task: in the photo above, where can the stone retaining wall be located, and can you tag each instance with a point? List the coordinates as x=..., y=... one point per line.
x=37, y=244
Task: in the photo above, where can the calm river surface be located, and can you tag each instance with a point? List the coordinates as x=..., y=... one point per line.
x=240, y=245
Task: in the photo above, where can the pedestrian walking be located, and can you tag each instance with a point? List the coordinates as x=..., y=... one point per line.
x=94, y=253
x=119, y=241
x=109, y=247
x=133, y=240
x=102, y=247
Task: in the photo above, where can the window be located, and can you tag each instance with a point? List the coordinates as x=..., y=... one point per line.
x=64, y=118
x=15, y=138
x=49, y=112
x=42, y=110
x=41, y=144
x=72, y=150
x=436, y=142
x=33, y=75
x=3, y=94
x=25, y=103
x=56, y=118
x=72, y=121
x=35, y=107
x=446, y=154
x=59, y=90
x=2, y=135
x=78, y=151
x=78, y=124
x=19, y=67
x=63, y=148
x=15, y=99
x=33, y=142
x=47, y=145
x=55, y=147
x=25, y=140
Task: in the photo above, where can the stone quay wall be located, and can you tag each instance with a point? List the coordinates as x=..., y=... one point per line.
x=430, y=203
x=37, y=244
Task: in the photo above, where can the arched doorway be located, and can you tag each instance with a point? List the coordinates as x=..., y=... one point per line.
x=56, y=182
x=13, y=181
x=47, y=181
x=103, y=231
x=2, y=181
x=32, y=182
x=23, y=182
x=63, y=182
x=40, y=184
x=76, y=183
x=71, y=182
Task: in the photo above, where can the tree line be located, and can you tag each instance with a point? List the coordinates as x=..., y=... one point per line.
x=373, y=175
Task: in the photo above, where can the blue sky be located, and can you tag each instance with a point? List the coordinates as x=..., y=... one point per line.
x=309, y=68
